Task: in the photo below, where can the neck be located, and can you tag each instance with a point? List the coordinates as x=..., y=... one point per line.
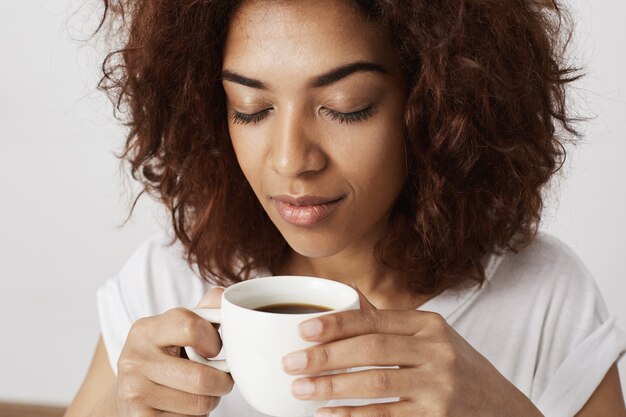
x=383, y=287
x=360, y=269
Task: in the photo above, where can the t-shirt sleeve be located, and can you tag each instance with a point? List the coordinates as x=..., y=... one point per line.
x=153, y=280
x=580, y=341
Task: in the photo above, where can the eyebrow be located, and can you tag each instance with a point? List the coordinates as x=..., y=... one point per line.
x=322, y=80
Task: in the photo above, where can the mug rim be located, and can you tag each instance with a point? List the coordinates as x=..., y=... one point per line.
x=354, y=296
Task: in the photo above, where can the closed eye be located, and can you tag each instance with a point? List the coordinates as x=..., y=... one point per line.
x=354, y=117
x=243, y=118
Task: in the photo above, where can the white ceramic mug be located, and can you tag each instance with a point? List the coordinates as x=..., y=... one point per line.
x=255, y=341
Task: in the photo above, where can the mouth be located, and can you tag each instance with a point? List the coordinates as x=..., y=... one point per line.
x=306, y=210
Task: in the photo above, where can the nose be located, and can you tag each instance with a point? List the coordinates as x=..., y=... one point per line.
x=294, y=148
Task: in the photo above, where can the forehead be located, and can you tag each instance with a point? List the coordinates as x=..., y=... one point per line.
x=300, y=38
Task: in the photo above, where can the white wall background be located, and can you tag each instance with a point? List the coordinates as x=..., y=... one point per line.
x=62, y=196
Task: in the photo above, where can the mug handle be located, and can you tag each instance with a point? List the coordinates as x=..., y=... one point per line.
x=214, y=316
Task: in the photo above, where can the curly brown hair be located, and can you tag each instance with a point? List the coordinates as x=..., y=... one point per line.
x=485, y=118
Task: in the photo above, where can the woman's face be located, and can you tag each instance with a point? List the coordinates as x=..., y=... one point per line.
x=315, y=101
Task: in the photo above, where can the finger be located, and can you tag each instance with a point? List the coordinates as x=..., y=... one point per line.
x=188, y=376
x=170, y=400
x=356, y=322
x=364, y=350
x=167, y=414
x=178, y=327
x=373, y=383
x=395, y=409
x=212, y=298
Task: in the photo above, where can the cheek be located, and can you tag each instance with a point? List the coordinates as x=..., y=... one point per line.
x=377, y=163
x=248, y=155
x=250, y=165
x=379, y=183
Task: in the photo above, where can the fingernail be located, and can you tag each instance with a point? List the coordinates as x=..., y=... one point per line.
x=295, y=361
x=311, y=328
x=323, y=413
x=302, y=387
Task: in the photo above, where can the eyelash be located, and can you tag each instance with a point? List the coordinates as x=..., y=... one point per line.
x=354, y=117
x=244, y=119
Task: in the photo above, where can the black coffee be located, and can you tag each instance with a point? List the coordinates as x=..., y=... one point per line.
x=292, y=308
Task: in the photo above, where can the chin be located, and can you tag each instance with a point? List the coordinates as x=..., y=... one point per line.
x=313, y=245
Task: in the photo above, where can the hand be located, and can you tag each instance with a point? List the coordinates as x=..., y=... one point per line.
x=439, y=373
x=152, y=378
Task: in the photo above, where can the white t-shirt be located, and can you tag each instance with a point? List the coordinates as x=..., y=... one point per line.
x=538, y=318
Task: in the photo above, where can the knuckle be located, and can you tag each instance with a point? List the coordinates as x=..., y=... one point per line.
x=203, y=404
x=179, y=315
x=230, y=385
x=380, y=382
x=189, y=329
x=215, y=403
x=446, y=383
x=320, y=356
x=343, y=412
x=203, y=379
x=375, y=320
x=377, y=344
x=127, y=365
x=381, y=412
x=140, y=326
x=325, y=387
x=178, y=311
x=210, y=382
x=442, y=410
x=436, y=321
x=334, y=322
x=449, y=392
x=447, y=387
x=448, y=355
x=130, y=390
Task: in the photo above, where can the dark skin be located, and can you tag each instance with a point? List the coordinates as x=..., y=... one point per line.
x=195, y=389
x=299, y=145
x=430, y=381
x=293, y=146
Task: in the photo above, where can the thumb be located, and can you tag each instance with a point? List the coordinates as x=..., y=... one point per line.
x=212, y=298
x=363, y=301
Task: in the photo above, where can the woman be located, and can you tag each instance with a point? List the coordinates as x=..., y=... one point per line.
x=400, y=146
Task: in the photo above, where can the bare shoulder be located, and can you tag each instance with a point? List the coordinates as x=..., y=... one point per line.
x=607, y=399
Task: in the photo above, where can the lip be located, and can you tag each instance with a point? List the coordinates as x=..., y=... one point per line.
x=305, y=210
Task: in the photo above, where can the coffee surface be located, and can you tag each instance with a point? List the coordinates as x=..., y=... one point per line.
x=293, y=308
